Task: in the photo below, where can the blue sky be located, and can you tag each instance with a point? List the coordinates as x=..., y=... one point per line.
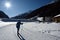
x=21, y=6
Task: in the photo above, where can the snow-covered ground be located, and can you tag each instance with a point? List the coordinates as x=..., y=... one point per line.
x=51, y=28
x=30, y=31
x=5, y=23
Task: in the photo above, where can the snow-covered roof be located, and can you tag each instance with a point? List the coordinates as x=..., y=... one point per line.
x=57, y=15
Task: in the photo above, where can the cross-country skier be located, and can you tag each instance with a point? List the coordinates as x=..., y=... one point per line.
x=18, y=26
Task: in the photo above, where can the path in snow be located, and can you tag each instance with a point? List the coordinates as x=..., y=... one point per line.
x=8, y=33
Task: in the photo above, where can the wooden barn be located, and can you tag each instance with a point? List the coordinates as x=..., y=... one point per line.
x=56, y=18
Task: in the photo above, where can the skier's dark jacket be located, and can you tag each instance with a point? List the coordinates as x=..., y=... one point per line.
x=18, y=24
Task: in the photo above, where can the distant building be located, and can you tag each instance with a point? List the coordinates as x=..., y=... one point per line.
x=45, y=19
x=56, y=18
